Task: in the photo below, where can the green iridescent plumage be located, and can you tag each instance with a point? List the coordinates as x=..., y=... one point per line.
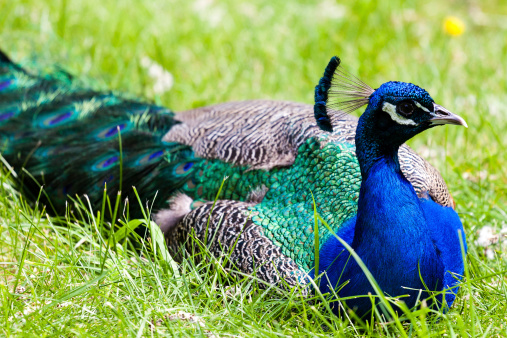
x=332, y=175
x=286, y=213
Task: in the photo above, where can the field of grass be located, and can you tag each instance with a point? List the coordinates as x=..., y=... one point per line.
x=62, y=281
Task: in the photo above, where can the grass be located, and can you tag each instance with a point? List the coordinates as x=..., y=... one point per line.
x=67, y=280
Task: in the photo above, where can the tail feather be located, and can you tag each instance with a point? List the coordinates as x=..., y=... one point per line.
x=68, y=139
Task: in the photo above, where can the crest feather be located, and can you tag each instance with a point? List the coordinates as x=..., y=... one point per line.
x=338, y=92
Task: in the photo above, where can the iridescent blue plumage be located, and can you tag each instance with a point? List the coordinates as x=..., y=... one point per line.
x=395, y=92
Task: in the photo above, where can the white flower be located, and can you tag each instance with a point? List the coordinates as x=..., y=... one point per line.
x=486, y=237
x=163, y=79
x=490, y=254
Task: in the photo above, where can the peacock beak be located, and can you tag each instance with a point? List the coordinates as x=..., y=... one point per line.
x=443, y=116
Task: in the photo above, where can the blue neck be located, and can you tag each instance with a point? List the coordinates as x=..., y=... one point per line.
x=387, y=202
x=372, y=146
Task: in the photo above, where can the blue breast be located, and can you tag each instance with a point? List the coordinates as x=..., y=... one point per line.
x=400, y=238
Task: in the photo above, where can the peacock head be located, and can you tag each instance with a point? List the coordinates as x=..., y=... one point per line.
x=395, y=112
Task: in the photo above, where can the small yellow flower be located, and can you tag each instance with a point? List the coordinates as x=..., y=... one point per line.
x=454, y=26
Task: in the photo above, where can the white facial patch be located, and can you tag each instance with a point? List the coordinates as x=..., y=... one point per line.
x=391, y=110
x=420, y=106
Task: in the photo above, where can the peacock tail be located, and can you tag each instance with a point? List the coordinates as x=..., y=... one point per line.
x=68, y=139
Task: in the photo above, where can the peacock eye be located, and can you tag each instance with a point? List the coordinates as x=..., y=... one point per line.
x=405, y=108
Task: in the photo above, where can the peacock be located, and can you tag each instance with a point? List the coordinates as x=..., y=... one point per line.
x=286, y=174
